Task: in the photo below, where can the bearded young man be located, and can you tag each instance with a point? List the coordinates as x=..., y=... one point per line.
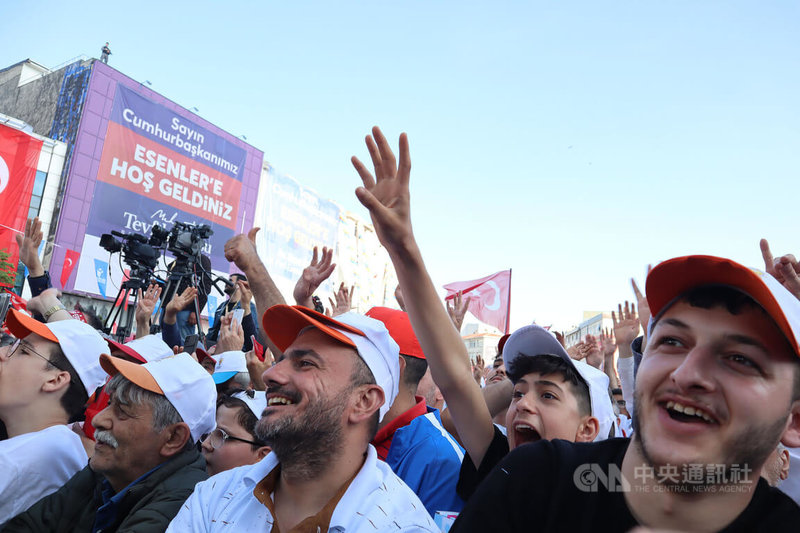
x=325, y=397
x=717, y=389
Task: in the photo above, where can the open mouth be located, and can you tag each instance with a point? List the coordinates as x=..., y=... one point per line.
x=687, y=414
x=278, y=400
x=523, y=434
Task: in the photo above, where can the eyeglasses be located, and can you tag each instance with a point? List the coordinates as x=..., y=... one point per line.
x=28, y=348
x=219, y=437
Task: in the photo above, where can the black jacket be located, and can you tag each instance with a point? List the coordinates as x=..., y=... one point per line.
x=148, y=506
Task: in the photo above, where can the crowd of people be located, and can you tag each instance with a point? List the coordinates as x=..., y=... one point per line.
x=683, y=417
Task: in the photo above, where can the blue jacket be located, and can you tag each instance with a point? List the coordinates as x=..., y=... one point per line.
x=428, y=459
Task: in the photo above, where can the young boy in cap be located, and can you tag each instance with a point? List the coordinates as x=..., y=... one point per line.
x=46, y=377
x=717, y=389
x=145, y=462
x=411, y=438
x=230, y=372
x=326, y=396
x=233, y=442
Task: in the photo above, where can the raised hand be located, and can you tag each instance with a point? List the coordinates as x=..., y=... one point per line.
x=607, y=342
x=641, y=302
x=231, y=335
x=386, y=195
x=457, y=308
x=178, y=302
x=241, y=250
x=145, y=305
x=626, y=325
x=245, y=295
x=344, y=300
x=313, y=276
x=785, y=269
x=29, y=246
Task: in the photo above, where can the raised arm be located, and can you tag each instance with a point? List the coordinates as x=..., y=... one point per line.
x=386, y=196
x=241, y=251
x=313, y=275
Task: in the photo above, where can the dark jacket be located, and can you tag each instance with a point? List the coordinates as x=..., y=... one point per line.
x=150, y=505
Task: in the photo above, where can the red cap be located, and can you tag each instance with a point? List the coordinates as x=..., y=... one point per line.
x=120, y=350
x=670, y=279
x=502, y=342
x=400, y=329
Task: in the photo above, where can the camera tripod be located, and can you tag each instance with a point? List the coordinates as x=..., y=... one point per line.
x=139, y=279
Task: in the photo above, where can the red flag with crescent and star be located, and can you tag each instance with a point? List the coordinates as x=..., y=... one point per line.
x=19, y=155
x=490, y=297
x=70, y=260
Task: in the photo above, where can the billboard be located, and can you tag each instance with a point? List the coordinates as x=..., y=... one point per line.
x=293, y=219
x=141, y=160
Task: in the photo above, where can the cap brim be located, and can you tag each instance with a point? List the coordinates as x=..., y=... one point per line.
x=134, y=372
x=128, y=352
x=282, y=324
x=672, y=278
x=222, y=377
x=202, y=355
x=22, y=325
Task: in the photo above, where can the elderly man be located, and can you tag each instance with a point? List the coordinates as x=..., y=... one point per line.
x=145, y=461
x=46, y=376
x=325, y=398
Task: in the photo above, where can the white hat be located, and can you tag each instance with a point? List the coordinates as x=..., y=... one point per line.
x=256, y=403
x=535, y=340
x=144, y=349
x=186, y=384
x=370, y=338
x=672, y=278
x=228, y=365
x=81, y=344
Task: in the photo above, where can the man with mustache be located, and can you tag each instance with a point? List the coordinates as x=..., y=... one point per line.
x=145, y=461
x=326, y=396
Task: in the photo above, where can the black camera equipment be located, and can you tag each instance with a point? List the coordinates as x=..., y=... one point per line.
x=186, y=242
x=141, y=254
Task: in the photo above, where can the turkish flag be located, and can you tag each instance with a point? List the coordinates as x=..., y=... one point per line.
x=489, y=297
x=19, y=155
x=70, y=260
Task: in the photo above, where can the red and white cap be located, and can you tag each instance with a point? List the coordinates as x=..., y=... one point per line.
x=672, y=278
x=186, y=384
x=144, y=349
x=80, y=342
x=369, y=337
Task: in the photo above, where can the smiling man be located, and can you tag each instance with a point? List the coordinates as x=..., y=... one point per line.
x=325, y=398
x=717, y=389
x=145, y=461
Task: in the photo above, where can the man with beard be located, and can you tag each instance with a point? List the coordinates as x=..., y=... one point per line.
x=325, y=398
x=717, y=389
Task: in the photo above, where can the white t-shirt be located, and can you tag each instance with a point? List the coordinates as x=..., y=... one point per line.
x=377, y=500
x=36, y=464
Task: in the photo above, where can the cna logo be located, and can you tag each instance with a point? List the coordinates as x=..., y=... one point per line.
x=4, y=174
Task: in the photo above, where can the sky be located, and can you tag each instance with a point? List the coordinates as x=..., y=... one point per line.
x=575, y=142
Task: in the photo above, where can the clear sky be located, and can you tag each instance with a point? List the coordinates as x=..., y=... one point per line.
x=573, y=141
